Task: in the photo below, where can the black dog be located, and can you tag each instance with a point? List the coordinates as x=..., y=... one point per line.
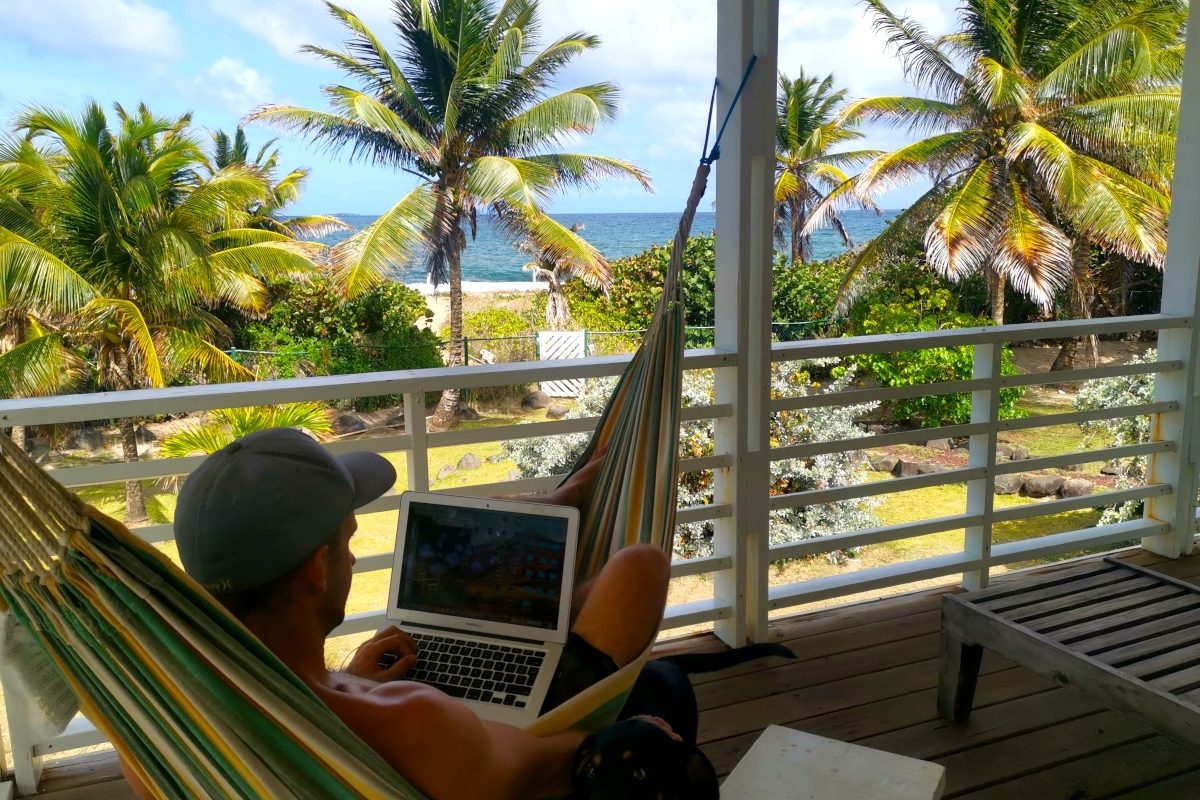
x=635, y=759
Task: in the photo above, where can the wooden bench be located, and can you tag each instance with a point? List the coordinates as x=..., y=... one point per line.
x=785, y=763
x=1125, y=635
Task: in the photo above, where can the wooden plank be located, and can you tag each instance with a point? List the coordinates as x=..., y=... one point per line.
x=1129, y=632
x=1182, y=785
x=1102, y=774
x=1017, y=583
x=1186, y=633
x=1039, y=592
x=1149, y=613
x=1164, y=663
x=1101, y=609
x=1160, y=573
x=1125, y=587
x=1050, y=658
x=999, y=761
x=1180, y=683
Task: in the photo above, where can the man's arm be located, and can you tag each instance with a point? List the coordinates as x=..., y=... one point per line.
x=440, y=746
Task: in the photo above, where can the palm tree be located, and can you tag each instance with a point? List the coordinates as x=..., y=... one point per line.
x=463, y=106
x=556, y=269
x=806, y=172
x=223, y=426
x=267, y=213
x=119, y=234
x=1049, y=131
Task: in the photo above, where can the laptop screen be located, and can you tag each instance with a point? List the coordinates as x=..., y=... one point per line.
x=485, y=564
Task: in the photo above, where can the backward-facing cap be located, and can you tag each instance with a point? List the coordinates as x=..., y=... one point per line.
x=257, y=508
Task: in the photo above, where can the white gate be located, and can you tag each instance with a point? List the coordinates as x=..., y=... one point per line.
x=553, y=345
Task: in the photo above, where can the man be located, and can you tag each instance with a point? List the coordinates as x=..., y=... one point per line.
x=265, y=525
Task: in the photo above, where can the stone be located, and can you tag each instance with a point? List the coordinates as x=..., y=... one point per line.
x=556, y=411
x=939, y=444
x=929, y=467
x=907, y=469
x=467, y=413
x=1073, y=468
x=496, y=458
x=1019, y=453
x=144, y=435
x=1113, y=468
x=446, y=471
x=875, y=430
x=1004, y=450
x=88, y=439
x=1043, y=485
x=469, y=461
x=514, y=475
x=348, y=423
x=1010, y=484
x=883, y=463
x=1076, y=487
x=535, y=400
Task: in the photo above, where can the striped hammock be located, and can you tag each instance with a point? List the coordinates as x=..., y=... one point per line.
x=196, y=704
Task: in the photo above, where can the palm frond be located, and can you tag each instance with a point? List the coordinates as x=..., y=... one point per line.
x=185, y=351
x=578, y=169
x=916, y=114
x=1033, y=254
x=492, y=179
x=314, y=226
x=549, y=121
x=934, y=157
x=961, y=239
x=122, y=320
x=365, y=259
x=923, y=62
x=40, y=366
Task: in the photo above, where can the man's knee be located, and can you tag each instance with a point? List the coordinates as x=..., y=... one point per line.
x=642, y=562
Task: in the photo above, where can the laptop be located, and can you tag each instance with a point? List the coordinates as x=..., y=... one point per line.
x=484, y=587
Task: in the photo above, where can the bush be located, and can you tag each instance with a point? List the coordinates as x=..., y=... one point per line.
x=926, y=309
x=497, y=336
x=556, y=454
x=310, y=330
x=1122, y=390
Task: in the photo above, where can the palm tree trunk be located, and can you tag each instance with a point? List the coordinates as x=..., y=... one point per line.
x=17, y=434
x=447, y=413
x=135, y=499
x=1081, y=308
x=797, y=241
x=558, y=315
x=995, y=288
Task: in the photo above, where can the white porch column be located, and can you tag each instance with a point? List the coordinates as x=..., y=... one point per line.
x=1181, y=295
x=745, y=191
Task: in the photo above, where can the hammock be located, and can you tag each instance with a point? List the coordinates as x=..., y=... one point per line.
x=195, y=703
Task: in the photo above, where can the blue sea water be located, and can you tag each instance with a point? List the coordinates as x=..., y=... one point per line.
x=492, y=256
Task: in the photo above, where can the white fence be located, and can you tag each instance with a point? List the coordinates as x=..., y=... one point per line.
x=733, y=564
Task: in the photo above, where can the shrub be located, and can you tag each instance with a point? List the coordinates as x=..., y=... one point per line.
x=310, y=330
x=1121, y=390
x=926, y=309
x=556, y=454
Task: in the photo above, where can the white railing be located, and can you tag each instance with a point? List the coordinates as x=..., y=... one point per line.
x=974, y=561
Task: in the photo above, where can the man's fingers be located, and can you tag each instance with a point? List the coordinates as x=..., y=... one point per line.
x=399, y=643
x=398, y=670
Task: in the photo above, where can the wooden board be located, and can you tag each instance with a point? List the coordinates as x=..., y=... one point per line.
x=792, y=765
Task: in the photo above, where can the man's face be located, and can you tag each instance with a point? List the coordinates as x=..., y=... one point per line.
x=340, y=567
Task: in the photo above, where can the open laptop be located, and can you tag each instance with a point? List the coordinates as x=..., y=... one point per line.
x=484, y=586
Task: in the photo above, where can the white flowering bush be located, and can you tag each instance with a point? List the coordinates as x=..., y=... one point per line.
x=556, y=454
x=1122, y=390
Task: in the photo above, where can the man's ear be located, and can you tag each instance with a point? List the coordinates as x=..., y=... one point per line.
x=314, y=571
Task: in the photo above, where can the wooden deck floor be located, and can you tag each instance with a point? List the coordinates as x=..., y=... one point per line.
x=868, y=674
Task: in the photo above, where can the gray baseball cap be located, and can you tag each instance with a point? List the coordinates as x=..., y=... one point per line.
x=257, y=508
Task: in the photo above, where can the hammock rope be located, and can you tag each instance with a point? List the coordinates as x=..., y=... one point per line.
x=196, y=704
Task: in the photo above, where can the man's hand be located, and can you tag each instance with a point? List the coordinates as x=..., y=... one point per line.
x=386, y=656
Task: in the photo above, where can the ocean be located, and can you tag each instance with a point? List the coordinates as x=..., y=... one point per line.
x=492, y=256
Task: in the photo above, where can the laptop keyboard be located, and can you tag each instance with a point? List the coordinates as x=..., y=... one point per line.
x=489, y=673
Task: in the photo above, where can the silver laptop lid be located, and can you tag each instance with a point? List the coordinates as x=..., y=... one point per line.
x=474, y=564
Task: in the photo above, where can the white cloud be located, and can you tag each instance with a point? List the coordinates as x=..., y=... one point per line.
x=128, y=27
x=287, y=24
x=238, y=86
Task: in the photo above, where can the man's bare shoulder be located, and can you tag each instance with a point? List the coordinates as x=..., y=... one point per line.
x=396, y=704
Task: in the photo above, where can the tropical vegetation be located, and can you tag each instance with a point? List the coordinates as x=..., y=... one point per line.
x=118, y=243
x=464, y=105
x=221, y=427
x=807, y=170
x=1048, y=130
x=556, y=268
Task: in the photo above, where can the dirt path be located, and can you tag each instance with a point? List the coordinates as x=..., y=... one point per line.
x=1038, y=358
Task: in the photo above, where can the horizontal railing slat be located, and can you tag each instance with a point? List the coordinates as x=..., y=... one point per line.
x=1088, y=415
x=1082, y=457
x=1082, y=538
x=890, y=533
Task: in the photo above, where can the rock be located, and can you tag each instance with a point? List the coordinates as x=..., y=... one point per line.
x=907, y=469
x=1043, y=485
x=875, y=430
x=1019, y=453
x=514, y=475
x=1113, y=468
x=883, y=463
x=1010, y=484
x=536, y=399
x=1076, y=487
x=1073, y=468
x=556, y=412
x=469, y=461
x=939, y=444
x=144, y=435
x=446, y=471
x=39, y=452
x=467, y=413
x=88, y=439
x=348, y=423
x=496, y=458
x=1004, y=450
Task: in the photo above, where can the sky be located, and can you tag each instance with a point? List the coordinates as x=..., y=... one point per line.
x=222, y=58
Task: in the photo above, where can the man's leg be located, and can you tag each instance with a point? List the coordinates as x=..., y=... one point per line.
x=624, y=604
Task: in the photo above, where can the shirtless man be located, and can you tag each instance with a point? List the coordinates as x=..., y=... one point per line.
x=265, y=525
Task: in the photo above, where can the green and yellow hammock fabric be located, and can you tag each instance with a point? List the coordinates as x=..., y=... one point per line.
x=198, y=705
